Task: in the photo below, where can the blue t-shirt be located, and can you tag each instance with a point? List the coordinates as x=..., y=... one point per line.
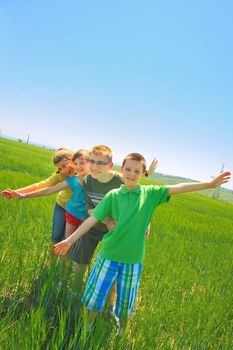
x=77, y=203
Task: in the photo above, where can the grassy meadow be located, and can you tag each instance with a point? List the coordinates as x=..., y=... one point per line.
x=186, y=292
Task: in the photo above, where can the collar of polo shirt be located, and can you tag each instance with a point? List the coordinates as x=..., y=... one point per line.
x=126, y=190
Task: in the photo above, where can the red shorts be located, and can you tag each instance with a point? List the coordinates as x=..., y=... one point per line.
x=72, y=220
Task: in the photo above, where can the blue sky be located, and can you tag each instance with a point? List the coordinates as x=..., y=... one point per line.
x=154, y=77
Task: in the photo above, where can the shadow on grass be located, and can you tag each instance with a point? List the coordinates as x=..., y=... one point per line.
x=52, y=311
x=49, y=291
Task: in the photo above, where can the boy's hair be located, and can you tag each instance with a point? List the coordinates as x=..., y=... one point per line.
x=135, y=156
x=81, y=153
x=102, y=150
x=62, y=154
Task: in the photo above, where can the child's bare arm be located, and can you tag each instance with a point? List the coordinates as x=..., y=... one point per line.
x=197, y=186
x=64, y=246
x=39, y=193
x=50, y=181
x=7, y=193
x=49, y=190
x=147, y=232
x=109, y=221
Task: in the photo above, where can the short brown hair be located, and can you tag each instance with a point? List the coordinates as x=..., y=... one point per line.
x=62, y=154
x=102, y=150
x=81, y=153
x=135, y=156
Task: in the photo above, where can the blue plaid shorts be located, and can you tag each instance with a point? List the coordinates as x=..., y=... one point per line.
x=101, y=281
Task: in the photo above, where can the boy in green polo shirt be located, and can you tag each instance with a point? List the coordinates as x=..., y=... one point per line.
x=123, y=248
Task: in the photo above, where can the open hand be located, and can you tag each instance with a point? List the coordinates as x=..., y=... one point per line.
x=152, y=167
x=221, y=179
x=6, y=193
x=110, y=223
x=62, y=247
x=9, y=194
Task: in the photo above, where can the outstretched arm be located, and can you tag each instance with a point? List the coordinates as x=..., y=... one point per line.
x=39, y=193
x=64, y=246
x=7, y=193
x=50, y=181
x=197, y=186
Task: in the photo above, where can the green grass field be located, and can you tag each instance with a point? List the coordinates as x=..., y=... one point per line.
x=186, y=292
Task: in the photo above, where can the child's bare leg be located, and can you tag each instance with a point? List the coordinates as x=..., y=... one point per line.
x=80, y=269
x=79, y=273
x=70, y=229
x=123, y=324
x=65, y=259
x=112, y=297
x=91, y=317
x=122, y=328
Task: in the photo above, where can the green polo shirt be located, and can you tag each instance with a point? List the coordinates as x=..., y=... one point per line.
x=132, y=211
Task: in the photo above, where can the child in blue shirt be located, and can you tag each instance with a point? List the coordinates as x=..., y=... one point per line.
x=75, y=208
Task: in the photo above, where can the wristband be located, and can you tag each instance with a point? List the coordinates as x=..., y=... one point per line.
x=22, y=196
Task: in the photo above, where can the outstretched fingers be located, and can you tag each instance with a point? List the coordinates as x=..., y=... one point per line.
x=224, y=177
x=12, y=194
x=7, y=193
x=152, y=166
x=227, y=175
x=61, y=248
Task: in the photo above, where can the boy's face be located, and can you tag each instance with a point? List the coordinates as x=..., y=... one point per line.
x=99, y=165
x=132, y=173
x=81, y=166
x=66, y=167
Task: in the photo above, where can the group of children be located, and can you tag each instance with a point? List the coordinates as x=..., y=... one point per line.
x=117, y=210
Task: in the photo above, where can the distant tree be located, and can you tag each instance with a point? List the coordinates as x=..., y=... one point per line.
x=19, y=140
